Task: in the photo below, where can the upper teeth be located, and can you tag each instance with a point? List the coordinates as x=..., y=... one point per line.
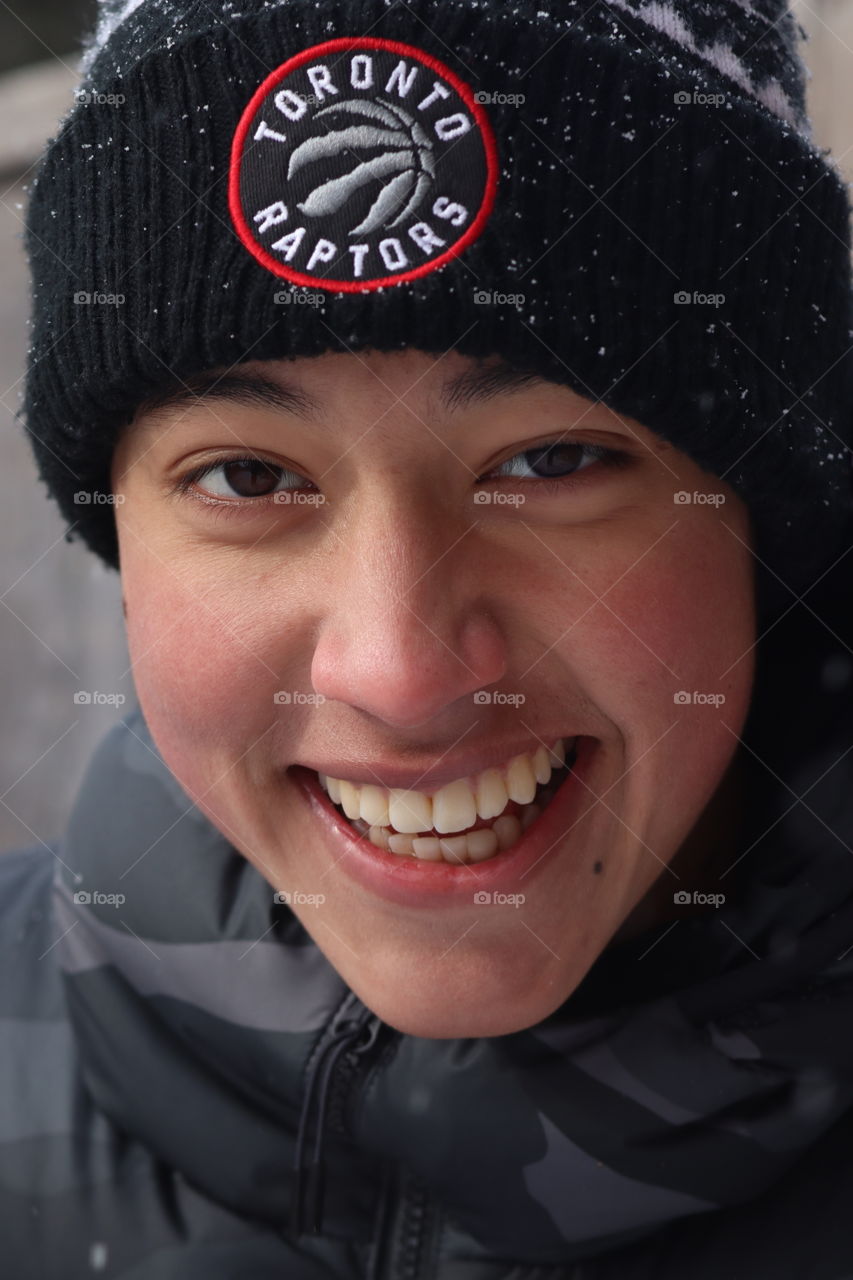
x=454, y=807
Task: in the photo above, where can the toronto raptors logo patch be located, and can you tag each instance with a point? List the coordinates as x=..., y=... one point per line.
x=361, y=163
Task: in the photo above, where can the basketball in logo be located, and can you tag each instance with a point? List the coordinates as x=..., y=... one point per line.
x=361, y=163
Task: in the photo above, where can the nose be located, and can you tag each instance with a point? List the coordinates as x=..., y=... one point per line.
x=406, y=632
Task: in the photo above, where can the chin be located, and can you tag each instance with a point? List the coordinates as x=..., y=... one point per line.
x=451, y=1016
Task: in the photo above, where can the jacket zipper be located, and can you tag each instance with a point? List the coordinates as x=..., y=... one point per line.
x=353, y=1030
x=352, y=1034
x=405, y=1228
x=376, y=1254
x=413, y=1222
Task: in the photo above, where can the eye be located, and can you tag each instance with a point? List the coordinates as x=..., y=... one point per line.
x=242, y=478
x=256, y=478
x=560, y=460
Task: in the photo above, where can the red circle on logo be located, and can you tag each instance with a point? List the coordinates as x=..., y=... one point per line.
x=461, y=158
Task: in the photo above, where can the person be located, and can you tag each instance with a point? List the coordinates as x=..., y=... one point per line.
x=463, y=397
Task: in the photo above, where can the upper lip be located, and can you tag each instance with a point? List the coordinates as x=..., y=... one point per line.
x=426, y=777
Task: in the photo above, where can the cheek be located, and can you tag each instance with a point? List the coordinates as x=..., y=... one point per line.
x=672, y=602
x=680, y=621
x=204, y=681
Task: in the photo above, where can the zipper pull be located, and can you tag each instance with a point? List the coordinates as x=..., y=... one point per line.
x=371, y=1029
x=307, y=1192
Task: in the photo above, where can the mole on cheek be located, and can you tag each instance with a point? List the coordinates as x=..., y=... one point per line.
x=598, y=868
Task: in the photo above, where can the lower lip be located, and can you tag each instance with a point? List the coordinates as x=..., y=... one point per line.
x=406, y=881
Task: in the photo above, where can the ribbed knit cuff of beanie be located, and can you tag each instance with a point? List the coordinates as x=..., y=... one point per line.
x=639, y=177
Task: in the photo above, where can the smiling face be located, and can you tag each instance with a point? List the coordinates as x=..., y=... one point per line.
x=435, y=549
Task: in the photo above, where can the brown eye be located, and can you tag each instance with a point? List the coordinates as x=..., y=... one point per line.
x=547, y=461
x=558, y=460
x=251, y=477
x=242, y=478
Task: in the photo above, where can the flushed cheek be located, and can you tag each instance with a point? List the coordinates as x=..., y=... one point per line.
x=676, y=622
x=677, y=683
x=205, y=686
x=680, y=616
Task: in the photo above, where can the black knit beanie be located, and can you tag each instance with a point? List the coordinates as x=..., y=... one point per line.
x=622, y=196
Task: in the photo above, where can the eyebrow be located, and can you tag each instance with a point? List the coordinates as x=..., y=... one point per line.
x=256, y=390
x=246, y=387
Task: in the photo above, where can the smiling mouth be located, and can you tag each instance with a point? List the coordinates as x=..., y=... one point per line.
x=483, y=839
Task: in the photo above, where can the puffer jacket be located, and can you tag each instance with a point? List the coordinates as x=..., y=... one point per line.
x=189, y=1091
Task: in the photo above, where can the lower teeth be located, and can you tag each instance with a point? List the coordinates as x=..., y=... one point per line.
x=477, y=846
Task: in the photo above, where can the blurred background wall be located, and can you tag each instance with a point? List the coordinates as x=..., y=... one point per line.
x=61, y=626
